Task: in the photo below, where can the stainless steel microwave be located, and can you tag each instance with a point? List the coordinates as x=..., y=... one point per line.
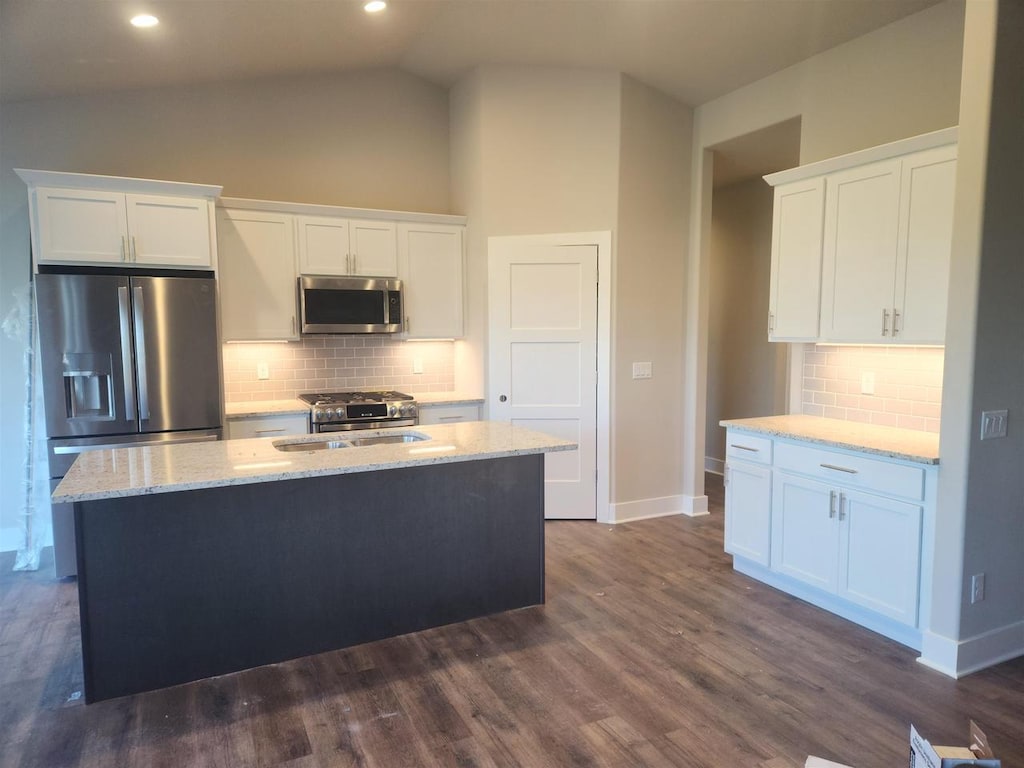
x=350, y=304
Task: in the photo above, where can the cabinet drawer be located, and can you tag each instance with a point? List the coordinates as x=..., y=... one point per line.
x=854, y=471
x=446, y=414
x=277, y=425
x=747, y=447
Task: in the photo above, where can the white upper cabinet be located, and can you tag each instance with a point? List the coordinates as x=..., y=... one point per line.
x=334, y=246
x=796, y=261
x=103, y=220
x=257, y=275
x=884, y=245
x=928, y=184
x=430, y=266
x=859, y=270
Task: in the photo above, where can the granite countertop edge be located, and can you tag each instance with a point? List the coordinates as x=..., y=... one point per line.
x=145, y=471
x=854, y=436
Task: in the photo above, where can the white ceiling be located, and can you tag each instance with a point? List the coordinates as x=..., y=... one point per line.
x=693, y=49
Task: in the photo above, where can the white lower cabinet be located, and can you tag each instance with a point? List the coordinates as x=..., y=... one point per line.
x=271, y=425
x=748, y=507
x=447, y=414
x=841, y=529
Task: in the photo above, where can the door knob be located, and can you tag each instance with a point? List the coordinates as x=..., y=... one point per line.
x=502, y=398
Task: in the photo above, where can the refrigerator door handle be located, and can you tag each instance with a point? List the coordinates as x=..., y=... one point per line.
x=125, y=322
x=139, y=308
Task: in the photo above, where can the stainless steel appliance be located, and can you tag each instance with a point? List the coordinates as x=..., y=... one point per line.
x=126, y=360
x=343, y=411
x=350, y=304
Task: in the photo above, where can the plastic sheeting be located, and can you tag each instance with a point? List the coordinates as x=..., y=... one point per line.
x=33, y=504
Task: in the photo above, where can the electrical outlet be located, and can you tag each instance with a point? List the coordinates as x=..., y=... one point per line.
x=993, y=424
x=977, y=588
x=867, y=382
x=262, y=371
x=642, y=371
x=417, y=365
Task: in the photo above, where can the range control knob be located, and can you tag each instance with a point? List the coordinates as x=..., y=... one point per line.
x=318, y=414
x=392, y=411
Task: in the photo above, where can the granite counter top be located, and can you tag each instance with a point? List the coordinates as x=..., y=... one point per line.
x=186, y=466
x=241, y=410
x=906, y=444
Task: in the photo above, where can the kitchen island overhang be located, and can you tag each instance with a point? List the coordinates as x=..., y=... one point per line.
x=182, y=583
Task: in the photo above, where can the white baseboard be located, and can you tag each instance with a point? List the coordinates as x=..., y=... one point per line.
x=695, y=506
x=11, y=539
x=714, y=466
x=958, y=658
x=645, y=509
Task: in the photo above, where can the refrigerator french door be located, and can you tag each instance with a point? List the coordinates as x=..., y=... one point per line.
x=126, y=360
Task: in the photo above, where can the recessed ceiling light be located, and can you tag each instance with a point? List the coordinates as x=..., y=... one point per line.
x=375, y=6
x=145, y=20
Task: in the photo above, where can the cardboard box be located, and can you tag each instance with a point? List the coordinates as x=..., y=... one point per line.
x=924, y=755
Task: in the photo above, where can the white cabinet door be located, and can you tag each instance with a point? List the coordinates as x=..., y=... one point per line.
x=430, y=265
x=925, y=242
x=805, y=530
x=323, y=245
x=169, y=231
x=448, y=414
x=257, y=275
x=859, y=256
x=795, y=299
x=748, y=520
x=374, y=248
x=276, y=425
x=81, y=225
x=880, y=554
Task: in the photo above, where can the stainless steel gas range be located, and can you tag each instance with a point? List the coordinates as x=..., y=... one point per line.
x=343, y=411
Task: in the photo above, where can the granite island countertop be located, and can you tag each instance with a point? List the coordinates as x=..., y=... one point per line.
x=122, y=472
x=905, y=444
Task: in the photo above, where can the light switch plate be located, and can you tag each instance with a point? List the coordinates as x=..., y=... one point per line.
x=417, y=365
x=642, y=371
x=262, y=371
x=993, y=424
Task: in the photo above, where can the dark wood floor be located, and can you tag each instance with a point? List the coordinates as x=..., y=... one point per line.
x=650, y=651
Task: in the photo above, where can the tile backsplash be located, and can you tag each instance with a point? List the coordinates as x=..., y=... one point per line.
x=335, y=363
x=907, y=384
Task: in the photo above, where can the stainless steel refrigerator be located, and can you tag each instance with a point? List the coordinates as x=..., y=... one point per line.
x=126, y=360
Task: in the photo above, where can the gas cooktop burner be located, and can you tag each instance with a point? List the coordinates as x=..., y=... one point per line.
x=343, y=398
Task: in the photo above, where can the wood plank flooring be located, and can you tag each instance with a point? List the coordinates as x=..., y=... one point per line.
x=650, y=651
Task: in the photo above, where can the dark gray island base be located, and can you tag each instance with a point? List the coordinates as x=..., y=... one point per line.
x=175, y=587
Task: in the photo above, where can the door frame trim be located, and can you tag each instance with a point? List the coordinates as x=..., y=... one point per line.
x=605, y=309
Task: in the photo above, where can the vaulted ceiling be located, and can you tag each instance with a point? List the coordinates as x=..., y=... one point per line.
x=693, y=49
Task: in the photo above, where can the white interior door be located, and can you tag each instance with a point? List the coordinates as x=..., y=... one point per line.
x=543, y=359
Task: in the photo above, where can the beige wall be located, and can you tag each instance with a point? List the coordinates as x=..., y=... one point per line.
x=650, y=257
x=376, y=139
x=746, y=374
x=898, y=81
x=980, y=522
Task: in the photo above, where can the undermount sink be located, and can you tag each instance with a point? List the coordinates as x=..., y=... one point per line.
x=326, y=444
x=311, y=445
x=405, y=437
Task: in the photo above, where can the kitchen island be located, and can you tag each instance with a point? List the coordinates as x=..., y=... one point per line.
x=201, y=559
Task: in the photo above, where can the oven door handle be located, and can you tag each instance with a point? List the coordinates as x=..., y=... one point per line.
x=349, y=426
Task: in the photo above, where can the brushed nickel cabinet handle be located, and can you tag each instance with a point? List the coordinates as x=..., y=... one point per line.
x=831, y=504
x=267, y=431
x=895, y=322
x=842, y=503
x=839, y=469
x=771, y=322
x=744, y=448
x=124, y=248
x=885, y=322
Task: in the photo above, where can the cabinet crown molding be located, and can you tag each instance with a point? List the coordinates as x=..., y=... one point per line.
x=315, y=209
x=939, y=138
x=65, y=180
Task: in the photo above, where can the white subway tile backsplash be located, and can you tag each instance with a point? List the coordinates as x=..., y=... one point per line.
x=908, y=385
x=334, y=363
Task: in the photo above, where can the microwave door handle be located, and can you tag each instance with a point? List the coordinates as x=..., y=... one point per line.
x=139, y=308
x=124, y=319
